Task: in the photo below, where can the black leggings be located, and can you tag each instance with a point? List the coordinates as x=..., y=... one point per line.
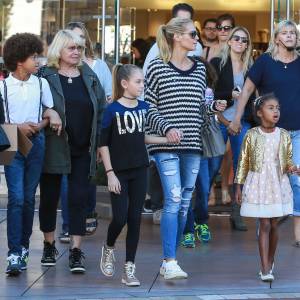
x=78, y=189
x=127, y=208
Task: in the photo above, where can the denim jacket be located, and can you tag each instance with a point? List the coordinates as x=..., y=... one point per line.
x=252, y=153
x=57, y=154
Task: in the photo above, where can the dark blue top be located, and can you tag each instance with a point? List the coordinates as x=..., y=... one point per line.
x=269, y=76
x=123, y=131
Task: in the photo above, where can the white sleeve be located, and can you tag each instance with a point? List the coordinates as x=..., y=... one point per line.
x=104, y=76
x=152, y=54
x=47, y=99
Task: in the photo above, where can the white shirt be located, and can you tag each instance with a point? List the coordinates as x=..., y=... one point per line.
x=24, y=99
x=103, y=73
x=154, y=52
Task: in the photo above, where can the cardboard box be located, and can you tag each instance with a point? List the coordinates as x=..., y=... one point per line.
x=18, y=142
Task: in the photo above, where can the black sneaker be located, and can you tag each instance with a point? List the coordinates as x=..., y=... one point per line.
x=76, y=261
x=64, y=237
x=49, y=254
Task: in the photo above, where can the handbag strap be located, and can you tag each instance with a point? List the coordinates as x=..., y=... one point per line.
x=6, y=99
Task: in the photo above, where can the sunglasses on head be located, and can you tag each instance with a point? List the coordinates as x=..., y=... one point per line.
x=225, y=28
x=238, y=38
x=192, y=34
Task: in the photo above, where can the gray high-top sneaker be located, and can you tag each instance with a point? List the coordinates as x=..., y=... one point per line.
x=107, y=263
x=129, y=275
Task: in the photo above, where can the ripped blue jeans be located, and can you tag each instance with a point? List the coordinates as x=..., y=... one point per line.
x=178, y=173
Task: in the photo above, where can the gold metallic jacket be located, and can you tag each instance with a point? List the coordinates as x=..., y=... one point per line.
x=252, y=153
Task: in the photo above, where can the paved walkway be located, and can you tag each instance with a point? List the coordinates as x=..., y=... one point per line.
x=226, y=268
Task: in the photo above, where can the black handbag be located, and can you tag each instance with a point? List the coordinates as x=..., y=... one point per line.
x=4, y=141
x=212, y=139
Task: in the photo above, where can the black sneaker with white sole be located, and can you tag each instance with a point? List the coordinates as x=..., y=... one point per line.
x=76, y=258
x=49, y=254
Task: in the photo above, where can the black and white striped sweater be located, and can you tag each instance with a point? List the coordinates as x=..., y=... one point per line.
x=176, y=100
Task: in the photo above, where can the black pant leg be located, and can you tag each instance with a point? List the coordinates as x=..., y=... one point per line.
x=49, y=197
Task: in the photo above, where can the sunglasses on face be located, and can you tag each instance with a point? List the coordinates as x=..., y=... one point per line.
x=193, y=34
x=225, y=28
x=238, y=38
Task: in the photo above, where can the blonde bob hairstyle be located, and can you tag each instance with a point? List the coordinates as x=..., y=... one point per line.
x=247, y=54
x=61, y=40
x=273, y=47
x=165, y=36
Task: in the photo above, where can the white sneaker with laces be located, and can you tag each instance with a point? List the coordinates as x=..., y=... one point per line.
x=162, y=268
x=129, y=277
x=173, y=271
x=107, y=262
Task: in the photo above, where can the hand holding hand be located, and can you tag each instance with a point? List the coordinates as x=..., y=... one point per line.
x=174, y=135
x=234, y=127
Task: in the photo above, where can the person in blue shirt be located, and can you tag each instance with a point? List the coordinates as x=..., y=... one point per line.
x=278, y=71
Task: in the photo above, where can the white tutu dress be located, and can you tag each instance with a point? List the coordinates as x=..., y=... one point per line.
x=268, y=194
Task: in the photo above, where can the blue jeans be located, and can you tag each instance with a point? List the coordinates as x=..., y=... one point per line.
x=178, y=173
x=235, y=142
x=295, y=179
x=91, y=202
x=22, y=178
x=209, y=168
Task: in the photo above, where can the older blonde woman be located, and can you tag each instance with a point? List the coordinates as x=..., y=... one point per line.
x=278, y=71
x=79, y=100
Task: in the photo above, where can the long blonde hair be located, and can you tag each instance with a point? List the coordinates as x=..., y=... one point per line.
x=61, y=40
x=165, y=36
x=273, y=47
x=246, y=56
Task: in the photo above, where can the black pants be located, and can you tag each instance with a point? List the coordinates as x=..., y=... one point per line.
x=78, y=188
x=154, y=187
x=127, y=209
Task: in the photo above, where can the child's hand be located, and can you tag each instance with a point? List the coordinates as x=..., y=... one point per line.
x=238, y=194
x=114, y=185
x=27, y=129
x=295, y=170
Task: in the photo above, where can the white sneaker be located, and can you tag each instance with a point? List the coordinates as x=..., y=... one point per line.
x=162, y=269
x=156, y=217
x=173, y=271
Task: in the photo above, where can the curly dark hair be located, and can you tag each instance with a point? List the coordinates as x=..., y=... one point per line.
x=19, y=47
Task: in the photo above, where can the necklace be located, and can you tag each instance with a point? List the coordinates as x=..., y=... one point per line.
x=70, y=76
x=129, y=98
x=285, y=64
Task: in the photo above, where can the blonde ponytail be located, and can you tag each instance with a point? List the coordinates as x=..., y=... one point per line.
x=165, y=36
x=164, y=46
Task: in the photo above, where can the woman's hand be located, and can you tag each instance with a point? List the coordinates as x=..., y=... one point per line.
x=174, y=135
x=234, y=127
x=220, y=105
x=235, y=95
x=114, y=185
x=55, y=122
x=238, y=194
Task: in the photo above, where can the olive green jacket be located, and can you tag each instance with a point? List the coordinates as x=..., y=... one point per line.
x=252, y=154
x=57, y=154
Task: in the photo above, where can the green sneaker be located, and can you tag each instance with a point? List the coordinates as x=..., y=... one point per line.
x=202, y=232
x=188, y=240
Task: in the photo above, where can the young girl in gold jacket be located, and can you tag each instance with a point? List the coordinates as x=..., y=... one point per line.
x=264, y=162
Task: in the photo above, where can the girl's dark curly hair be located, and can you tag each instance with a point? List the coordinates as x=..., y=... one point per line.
x=19, y=47
x=259, y=102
